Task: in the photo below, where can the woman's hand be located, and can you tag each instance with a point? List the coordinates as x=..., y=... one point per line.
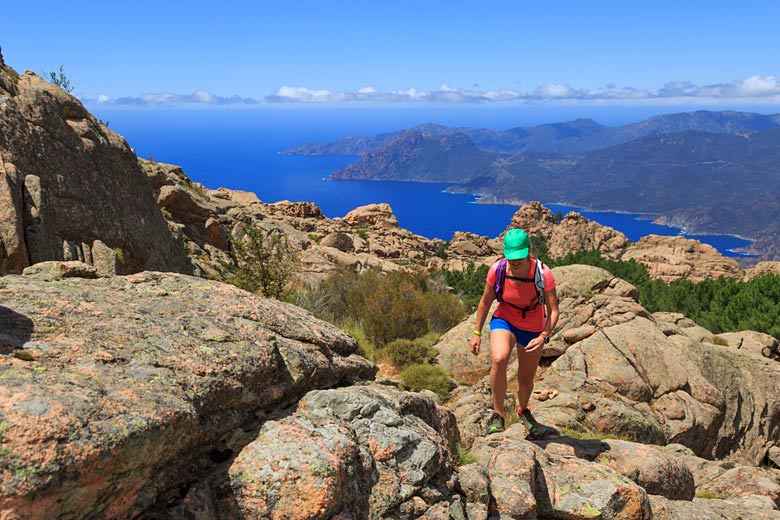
x=475, y=342
x=535, y=344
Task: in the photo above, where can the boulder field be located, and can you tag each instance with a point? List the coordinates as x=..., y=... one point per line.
x=164, y=396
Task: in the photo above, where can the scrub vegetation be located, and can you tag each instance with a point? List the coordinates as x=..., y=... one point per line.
x=396, y=317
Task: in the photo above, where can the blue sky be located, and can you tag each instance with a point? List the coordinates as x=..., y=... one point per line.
x=662, y=52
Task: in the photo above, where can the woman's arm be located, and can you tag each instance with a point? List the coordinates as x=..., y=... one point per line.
x=488, y=295
x=551, y=303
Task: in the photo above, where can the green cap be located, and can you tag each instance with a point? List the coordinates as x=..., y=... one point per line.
x=516, y=244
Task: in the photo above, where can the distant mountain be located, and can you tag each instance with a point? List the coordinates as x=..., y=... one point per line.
x=421, y=156
x=686, y=175
x=578, y=136
x=756, y=217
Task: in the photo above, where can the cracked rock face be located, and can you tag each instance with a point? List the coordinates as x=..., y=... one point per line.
x=116, y=392
x=71, y=189
x=350, y=453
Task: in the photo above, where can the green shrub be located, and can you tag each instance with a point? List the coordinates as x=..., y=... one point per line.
x=427, y=377
x=441, y=249
x=387, y=306
x=395, y=310
x=61, y=80
x=365, y=347
x=263, y=263
x=444, y=311
x=468, y=284
x=404, y=352
x=464, y=456
x=539, y=246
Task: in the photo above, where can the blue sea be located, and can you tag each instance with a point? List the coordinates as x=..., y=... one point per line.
x=240, y=149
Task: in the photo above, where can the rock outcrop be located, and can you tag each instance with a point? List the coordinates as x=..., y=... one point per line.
x=357, y=452
x=208, y=221
x=117, y=393
x=761, y=269
x=71, y=189
x=574, y=233
x=680, y=258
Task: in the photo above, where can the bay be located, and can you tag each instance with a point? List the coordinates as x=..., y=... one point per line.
x=240, y=149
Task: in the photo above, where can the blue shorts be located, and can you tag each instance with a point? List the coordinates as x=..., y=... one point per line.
x=523, y=337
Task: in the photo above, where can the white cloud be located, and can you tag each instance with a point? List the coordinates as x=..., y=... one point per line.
x=199, y=97
x=203, y=97
x=302, y=94
x=763, y=89
x=554, y=90
x=757, y=86
x=503, y=95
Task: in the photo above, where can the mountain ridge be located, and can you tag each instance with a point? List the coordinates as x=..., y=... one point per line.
x=576, y=136
x=660, y=173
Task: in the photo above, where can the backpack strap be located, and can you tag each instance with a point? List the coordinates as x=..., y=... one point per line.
x=539, y=283
x=498, y=287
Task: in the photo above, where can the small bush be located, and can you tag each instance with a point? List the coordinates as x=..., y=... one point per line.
x=263, y=263
x=387, y=306
x=395, y=310
x=444, y=311
x=441, y=249
x=404, y=352
x=61, y=80
x=468, y=284
x=717, y=340
x=365, y=347
x=427, y=377
x=709, y=495
x=464, y=456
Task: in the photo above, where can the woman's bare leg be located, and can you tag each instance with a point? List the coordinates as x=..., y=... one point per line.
x=501, y=344
x=527, y=362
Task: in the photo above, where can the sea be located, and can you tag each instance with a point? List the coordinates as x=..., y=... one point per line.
x=241, y=148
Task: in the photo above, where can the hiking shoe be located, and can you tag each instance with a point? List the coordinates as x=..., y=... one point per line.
x=496, y=424
x=530, y=423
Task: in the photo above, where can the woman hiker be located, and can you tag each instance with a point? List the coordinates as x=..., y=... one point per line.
x=524, y=294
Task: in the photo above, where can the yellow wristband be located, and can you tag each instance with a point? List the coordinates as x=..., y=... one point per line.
x=477, y=332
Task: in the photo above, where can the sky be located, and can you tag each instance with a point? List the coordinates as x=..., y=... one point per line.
x=719, y=53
